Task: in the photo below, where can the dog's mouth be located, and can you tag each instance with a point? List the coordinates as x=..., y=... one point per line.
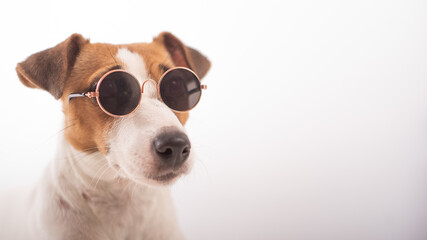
x=167, y=177
x=164, y=177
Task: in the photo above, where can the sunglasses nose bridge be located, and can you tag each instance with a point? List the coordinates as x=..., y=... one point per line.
x=147, y=81
x=150, y=88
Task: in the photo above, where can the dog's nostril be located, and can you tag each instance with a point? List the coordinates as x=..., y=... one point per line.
x=172, y=148
x=168, y=151
x=186, y=151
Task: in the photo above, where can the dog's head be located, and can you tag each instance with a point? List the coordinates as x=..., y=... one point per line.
x=149, y=146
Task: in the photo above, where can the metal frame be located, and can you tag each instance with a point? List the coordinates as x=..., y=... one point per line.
x=95, y=94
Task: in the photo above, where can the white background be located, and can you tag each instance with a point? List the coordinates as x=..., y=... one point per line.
x=314, y=125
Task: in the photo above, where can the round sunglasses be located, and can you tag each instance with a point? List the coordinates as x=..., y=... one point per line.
x=119, y=93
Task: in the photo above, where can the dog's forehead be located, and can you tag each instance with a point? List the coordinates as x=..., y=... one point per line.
x=97, y=58
x=154, y=56
x=151, y=52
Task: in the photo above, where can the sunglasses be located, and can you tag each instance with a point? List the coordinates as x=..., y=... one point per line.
x=119, y=93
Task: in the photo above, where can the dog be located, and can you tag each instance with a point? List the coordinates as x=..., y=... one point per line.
x=111, y=175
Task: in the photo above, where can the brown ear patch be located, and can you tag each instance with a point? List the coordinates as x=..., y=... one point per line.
x=184, y=56
x=201, y=63
x=176, y=50
x=49, y=69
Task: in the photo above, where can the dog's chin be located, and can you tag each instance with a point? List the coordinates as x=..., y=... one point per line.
x=157, y=179
x=165, y=179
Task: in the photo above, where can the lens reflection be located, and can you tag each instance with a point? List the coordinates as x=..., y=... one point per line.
x=180, y=89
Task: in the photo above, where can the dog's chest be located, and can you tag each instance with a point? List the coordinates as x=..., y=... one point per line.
x=119, y=214
x=132, y=214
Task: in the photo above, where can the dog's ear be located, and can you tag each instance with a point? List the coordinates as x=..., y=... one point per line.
x=49, y=69
x=184, y=56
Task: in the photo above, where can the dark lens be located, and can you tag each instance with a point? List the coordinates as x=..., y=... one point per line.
x=119, y=93
x=180, y=89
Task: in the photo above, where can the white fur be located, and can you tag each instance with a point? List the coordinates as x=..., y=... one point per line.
x=92, y=196
x=134, y=63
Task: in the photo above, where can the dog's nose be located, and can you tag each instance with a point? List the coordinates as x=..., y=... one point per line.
x=173, y=148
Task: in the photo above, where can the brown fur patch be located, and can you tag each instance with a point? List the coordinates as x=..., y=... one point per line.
x=87, y=125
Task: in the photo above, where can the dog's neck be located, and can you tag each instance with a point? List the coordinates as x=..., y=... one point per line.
x=86, y=182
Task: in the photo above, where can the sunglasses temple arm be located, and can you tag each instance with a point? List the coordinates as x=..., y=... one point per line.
x=75, y=95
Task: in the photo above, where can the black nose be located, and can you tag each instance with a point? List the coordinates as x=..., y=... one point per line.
x=172, y=148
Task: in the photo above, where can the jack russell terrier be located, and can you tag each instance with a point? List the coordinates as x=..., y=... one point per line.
x=123, y=144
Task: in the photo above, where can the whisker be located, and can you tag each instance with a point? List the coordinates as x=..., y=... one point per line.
x=133, y=190
x=63, y=129
x=101, y=168
x=102, y=174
